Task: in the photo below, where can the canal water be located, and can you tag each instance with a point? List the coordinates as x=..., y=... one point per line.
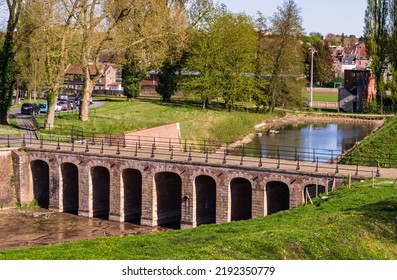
x=308, y=141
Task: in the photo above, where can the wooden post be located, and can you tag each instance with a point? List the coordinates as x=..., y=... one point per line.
x=350, y=181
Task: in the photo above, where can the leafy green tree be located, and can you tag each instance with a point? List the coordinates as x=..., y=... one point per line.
x=285, y=57
x=168, y=81
x=323, y=67
x=376, y=38
x=7, y=62
x=133, y=73
x=222, y=57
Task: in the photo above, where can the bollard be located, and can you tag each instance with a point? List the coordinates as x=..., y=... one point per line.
x=8, y=141
x=86, y=147
x=152, y=154
x=298, y=164
x=278, y=161
x=118, y=148
x=172, y=153
x=206, y=155
x=189, y=158
x=136, y=150
x=337, y=167
x=260, y=164
x=224, y=156
x=101, y=147
x=72, y=148
x=139, y=142
x=242, y=155
x=316, y=165
x=58, y=145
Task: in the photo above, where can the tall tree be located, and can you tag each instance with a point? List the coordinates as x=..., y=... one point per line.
x=7, y=56
x=286, y=57
x=323, y=68
x=132, y=78
x=222, y=56
x=376, y=38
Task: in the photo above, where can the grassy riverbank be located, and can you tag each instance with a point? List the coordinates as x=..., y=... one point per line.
x=215, y=124
x=379, y=147
x=354, y=223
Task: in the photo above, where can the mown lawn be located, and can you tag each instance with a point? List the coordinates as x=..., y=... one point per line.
x=117, y=116
x=353, y=223
x=322, y=97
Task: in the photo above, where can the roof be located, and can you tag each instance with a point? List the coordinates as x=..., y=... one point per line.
x=75, y=69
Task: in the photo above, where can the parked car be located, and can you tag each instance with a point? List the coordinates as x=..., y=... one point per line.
x=43, y=107
x=72, y=104
x=58, y=107
x=30, y=108
x=63, y=96
x=65, y=105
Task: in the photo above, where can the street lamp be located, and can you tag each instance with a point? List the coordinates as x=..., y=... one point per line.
x=312, y=51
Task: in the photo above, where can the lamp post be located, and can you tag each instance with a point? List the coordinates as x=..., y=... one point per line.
x=312, y=51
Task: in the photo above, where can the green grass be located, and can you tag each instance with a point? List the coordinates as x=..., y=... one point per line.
x=322, y=97
x=12, y=129
x=118, y=116
x=354, y=223
x=379, y=147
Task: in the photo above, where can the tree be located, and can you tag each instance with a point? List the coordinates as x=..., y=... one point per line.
x=323, y=68
x=7, y=56
x=286, y=57
x=168, y=81
x=132, y=76
x=376, y=37
x=115, y=25
x=221, y=58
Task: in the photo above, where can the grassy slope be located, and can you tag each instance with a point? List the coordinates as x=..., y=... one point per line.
x=356, y=223
x=381, y=146
x=214, y=125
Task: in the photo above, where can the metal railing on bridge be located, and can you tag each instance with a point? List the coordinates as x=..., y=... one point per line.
x=205, y=152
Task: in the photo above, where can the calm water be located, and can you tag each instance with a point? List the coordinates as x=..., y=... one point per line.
x=309, y=141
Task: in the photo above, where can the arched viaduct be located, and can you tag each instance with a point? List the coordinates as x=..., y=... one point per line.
x=156, y=192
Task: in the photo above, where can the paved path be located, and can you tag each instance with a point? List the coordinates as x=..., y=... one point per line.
x=177, y=155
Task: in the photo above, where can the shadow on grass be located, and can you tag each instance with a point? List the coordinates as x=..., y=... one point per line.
x=385, y=210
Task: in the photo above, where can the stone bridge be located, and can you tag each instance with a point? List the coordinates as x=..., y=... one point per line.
x=165, y=186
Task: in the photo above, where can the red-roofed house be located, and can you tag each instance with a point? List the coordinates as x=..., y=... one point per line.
x=110, y=80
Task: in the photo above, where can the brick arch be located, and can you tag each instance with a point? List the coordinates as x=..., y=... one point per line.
x=241, y=199
x=70, y=187
x=168, y=188
x=277, y=196
x=205, y=190
x=100, y=180
x=40, y=172
x=312, y=190
x=131, y=184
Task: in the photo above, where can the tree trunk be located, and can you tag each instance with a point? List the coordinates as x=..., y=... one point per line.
x=85, y=97
x=4, y=118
